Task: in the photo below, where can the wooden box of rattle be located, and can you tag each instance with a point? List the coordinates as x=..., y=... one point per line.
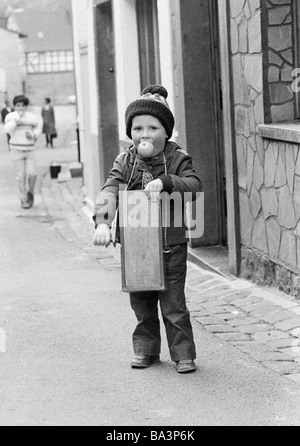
x=141, y=242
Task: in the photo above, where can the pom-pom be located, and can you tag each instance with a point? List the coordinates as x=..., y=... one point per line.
x=156, y=89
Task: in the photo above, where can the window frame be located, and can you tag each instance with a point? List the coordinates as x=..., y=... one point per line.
x=296, y=12
x=148, y=39
x=49, y=62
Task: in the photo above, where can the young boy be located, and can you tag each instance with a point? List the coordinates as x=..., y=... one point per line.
x=22, y=126
x=156, y=165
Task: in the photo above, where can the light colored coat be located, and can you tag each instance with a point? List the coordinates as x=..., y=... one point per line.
x=17, y=130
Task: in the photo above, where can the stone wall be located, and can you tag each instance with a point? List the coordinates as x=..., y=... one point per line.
x=247, y=63
x=279, y=59
x=275, y=233
x=268, y=170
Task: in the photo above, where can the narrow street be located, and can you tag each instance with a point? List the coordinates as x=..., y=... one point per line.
x=66, y=337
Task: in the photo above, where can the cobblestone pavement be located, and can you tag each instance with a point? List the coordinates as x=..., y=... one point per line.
x=261, y=322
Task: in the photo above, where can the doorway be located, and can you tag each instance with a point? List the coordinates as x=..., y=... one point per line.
x=203, y=112
x=204, y=124
x=148, y=37
x=108, y=110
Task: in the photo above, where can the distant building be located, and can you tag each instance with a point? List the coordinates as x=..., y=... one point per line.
x=11, y=62
x=48, y=54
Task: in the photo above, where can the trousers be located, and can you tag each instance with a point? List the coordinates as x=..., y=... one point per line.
x=24, y=163
x=175, y=314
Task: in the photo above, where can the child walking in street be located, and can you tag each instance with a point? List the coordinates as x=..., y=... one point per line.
x=22, y=126
x=155, y=164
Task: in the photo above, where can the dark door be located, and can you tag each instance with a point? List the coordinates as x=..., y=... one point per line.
x=148, y=37
x=108, y=126
x=203, y=112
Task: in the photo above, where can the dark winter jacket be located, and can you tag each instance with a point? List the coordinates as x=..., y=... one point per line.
x=181, y=177
x=49, y=120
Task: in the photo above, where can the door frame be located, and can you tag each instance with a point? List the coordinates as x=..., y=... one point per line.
x=232, y=190
x=107, y=103
x=219, y=131
x=201, y=80
x=148, y=40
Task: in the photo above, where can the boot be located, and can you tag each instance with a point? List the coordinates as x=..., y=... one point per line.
x=30, y=199
x=31, y=186
x=25, y=205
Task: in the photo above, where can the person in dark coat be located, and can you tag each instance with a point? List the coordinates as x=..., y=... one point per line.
x=4, y=112
x=155, y=164
x=49, y=122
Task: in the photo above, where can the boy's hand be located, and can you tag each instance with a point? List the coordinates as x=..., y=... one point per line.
x=102, y=235
x=20, y=114
x=29, y=135
x=154, y=188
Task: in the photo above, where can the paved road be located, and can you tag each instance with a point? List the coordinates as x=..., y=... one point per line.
x=66, y=338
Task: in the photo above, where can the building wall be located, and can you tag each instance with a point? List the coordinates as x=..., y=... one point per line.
x=127, y=55
x=177, y=73
x=57, y=86
x=10, y=62
x=87, y=95
x=126, y=59
x=268, y=169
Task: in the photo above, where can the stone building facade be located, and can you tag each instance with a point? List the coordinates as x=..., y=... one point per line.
x=263, y=52
x=244, y=137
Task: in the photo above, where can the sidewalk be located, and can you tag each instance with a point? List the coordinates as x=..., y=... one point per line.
x=263, y=323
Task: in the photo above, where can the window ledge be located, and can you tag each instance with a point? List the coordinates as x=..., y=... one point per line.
x=284, y=131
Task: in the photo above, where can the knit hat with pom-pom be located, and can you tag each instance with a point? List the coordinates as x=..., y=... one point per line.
x=153, y=102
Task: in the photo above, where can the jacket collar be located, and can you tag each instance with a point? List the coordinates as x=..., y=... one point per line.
x=170, y=149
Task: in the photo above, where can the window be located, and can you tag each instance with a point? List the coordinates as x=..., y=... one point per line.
x=49, y=62
x=148, y=42
x=281, y=44
x=297, y=53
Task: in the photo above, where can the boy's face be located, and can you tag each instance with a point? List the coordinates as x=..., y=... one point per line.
x=20, y=107
x=147, y=128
